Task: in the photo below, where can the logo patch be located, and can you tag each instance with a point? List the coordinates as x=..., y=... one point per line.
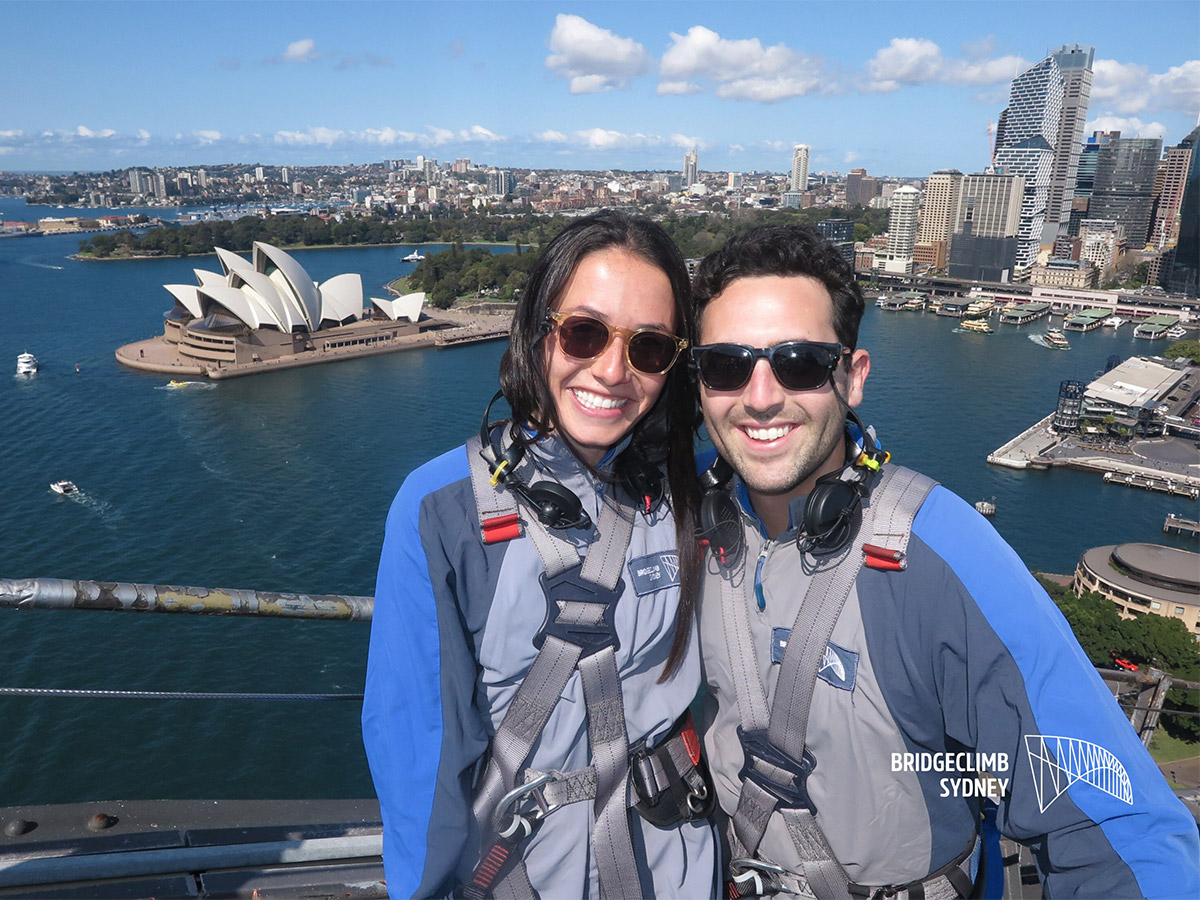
x=654, y=572
x=839, y=666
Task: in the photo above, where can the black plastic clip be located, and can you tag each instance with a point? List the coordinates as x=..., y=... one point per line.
x=569, y=587
x=792, y=794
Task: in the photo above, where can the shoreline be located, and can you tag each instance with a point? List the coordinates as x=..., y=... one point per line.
x=76, y=256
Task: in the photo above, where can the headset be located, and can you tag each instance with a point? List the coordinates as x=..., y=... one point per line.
x=555, y=506
x=829, y=512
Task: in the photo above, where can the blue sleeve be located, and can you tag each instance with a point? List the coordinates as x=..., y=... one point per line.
x=1084, y=793
x=420, y=730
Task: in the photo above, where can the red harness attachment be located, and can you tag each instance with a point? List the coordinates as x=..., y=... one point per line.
x=501, y=528
x=882, y=558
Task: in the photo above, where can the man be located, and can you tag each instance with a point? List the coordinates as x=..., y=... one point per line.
x=864, y=702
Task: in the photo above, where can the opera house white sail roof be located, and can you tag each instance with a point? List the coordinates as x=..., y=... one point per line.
x=272, y=290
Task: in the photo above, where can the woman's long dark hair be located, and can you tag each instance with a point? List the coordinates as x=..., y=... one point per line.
x=665, y=434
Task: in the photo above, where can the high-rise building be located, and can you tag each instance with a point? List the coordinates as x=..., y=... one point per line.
x=853, y=186
x=691, y=167
x=259, y=174
x=283, y=175
x=903, y=220
x=800, y=167
x=940, y=205
x=1075, y=65
x=1169, y=182
x=1025, y=138
x=202, y=179
x=986, y=224
x=1124, y=185
x=500, y=182
x=160, y=186
x=1183, y=274
x=840, y=233
x=137, y=181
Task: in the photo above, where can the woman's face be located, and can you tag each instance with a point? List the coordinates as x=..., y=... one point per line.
x=598, y=401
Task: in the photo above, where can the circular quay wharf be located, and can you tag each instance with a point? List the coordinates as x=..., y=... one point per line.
x=1138, y=425
x=267, y=315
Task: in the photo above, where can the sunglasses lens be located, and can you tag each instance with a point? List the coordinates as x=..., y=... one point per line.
x=651, y=352
x=801, y=367
x=582, y=337
x=725, y=368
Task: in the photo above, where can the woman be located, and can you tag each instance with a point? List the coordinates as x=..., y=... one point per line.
x=480, y=568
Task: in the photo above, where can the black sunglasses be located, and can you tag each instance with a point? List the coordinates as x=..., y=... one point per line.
x=798, y=365
x=647, y=351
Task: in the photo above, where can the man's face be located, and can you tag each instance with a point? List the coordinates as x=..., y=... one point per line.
x=779, y=441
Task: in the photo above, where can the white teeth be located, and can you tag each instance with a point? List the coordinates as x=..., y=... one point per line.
x=595, y=401
x=768, y=434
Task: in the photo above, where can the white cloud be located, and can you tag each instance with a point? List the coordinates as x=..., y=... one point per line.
x=851, y=156
x=1178, y=88
x=736, y=148
x=592, y=58
x=741, y=69
x=388, y=136
x=301, y=51
x=206, y=136
x=687, y=143
x=550, y=137
x=479, y=133
x=84, y=132
x=143, y=134
x=907, y=61
x=1129, y=126
x=1130, y=88
x=319, y=136
x=678, y=88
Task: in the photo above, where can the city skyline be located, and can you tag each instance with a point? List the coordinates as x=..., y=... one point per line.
x=899, y=90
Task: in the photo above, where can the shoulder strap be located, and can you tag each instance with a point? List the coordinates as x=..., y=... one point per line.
x=579, y=634
x=777, y=763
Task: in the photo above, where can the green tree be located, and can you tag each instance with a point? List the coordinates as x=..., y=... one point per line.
x=1188, y=349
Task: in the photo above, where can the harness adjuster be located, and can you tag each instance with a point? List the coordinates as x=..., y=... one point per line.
x=570, y=587
x=514, y=811
x=792, y=794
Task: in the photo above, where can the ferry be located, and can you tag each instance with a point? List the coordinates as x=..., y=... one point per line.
x=980, y=308
x=1177, y=332
x=415, y=256
x=1056, y=339
x=64, y=487
x=27, y=363
x=1114, y=322
x=979, y=325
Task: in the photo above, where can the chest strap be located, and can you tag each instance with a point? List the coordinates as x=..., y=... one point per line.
x=776, y=761
x=578, y=634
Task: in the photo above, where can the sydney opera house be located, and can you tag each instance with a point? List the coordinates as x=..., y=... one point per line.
x=268, y=313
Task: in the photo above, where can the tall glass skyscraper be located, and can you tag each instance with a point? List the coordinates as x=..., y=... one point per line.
x=1183, y=276
x=1075, y=66
x=1124, y=185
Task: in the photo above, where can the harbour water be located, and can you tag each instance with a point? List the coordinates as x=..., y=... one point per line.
x=282, y=482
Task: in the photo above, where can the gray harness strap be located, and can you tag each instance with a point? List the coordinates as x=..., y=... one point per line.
x=781, y=733
x=607, y=779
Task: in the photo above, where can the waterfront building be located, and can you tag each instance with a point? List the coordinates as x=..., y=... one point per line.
x=1102, y=242
x=1144, y=578
x=1169, y=182
x=1025, y=139
x=987, y=221
x=1143, y=395
x=691, y=167
x=799, y=180
x=940, y=205
x=1124, y=185
x=903, y=221
x=1075, y=66
x=1073, y=273
x=269, y=312
x=1183, y=273
x=931, y=255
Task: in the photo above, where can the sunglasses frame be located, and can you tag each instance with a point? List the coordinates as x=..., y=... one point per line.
x=837, y=351
x=557, y=318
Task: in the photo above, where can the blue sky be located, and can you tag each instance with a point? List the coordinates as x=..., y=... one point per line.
x=900, y=88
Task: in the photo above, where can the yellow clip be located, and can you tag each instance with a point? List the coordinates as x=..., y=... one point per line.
x=868, y=462
x=497, y=472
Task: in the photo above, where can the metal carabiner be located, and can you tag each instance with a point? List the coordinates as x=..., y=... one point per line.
x=765, y=876
x=508, y=803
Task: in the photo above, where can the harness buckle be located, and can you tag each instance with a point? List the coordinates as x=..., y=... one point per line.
x=524, y=807
x=756, y=877
x=568, y=587
x=790, y=794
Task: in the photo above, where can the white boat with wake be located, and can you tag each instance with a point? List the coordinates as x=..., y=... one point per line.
x=1114, y=322
x=64, y=487
x=27, y=364
x=415, y=256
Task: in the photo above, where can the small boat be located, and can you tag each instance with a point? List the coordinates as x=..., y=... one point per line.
x=178, y=384
x=1114, y=322
x=415, y=256
x=978, y=325
x=1056, y=339
x=27, y=363
x=1176, y=332
x=64, y=487
x=986, y=507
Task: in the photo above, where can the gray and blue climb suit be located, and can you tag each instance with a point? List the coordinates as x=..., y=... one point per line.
x=961, y=662
x=451, y=640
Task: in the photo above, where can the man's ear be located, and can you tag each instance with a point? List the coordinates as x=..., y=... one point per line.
x=860, y=368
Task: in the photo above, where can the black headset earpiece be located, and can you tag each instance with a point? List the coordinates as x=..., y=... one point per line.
x=829, y=513
x=554, y=505
x=720, y=518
